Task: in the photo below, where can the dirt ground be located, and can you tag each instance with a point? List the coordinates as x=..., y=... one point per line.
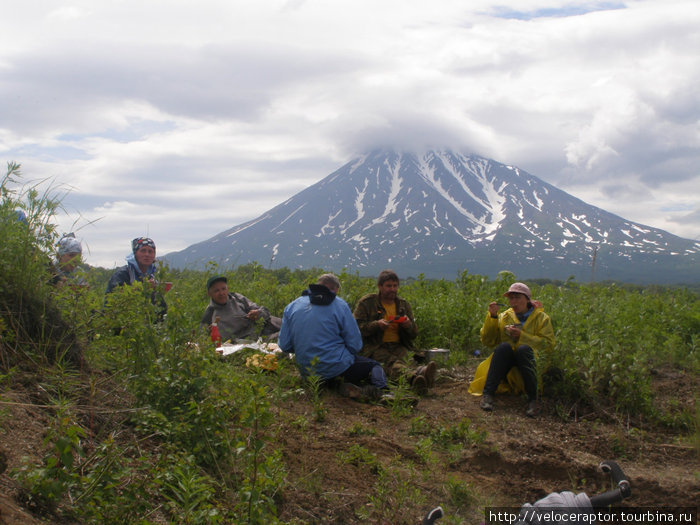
x=520, y=460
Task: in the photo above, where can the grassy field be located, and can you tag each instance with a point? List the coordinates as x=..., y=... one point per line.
x=111, y=416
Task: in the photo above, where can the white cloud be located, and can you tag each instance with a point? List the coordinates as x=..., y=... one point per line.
x=185, y=119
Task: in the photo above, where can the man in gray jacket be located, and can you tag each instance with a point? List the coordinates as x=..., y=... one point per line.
x=235, y=314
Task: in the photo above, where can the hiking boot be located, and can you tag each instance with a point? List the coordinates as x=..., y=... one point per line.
x=419, y=385
x=533, y=408
x=371, y=393
x=351, y=391
x=487, y=402
x=429, y=374
x=360, y=393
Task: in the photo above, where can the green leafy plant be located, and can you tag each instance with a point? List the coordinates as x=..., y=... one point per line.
x=402, y=399
x=263, y=472
x=47, y=484
x=463, y=432
x=359, y=456
x=113, y=491
x=419, y=425
x=190, y=495
x=462, y=495
x=359, y=430
x=391, y=496
x=424, y=450
x=314, y=385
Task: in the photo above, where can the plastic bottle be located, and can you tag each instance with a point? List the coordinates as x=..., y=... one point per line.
x=215, y=335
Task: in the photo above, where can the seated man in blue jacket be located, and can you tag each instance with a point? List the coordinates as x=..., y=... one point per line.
x=319, y=329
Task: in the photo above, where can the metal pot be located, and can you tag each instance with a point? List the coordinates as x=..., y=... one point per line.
x=439, y=355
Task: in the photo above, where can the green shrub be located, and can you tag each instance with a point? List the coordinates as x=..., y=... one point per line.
x=46, y=485
x=32, y=329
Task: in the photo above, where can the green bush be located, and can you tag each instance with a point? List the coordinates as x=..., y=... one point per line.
x=32, y=328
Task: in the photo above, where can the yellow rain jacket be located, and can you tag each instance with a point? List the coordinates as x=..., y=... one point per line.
x=537, y=333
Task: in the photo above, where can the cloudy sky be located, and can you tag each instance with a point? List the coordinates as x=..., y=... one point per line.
x=179, y=119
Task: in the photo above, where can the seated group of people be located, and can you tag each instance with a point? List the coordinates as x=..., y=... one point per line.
x=319, y=328
x=376, y=340
x=359, y=349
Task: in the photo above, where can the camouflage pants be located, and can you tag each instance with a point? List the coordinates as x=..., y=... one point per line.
x=393, y=358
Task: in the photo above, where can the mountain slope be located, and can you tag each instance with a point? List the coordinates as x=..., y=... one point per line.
x=441, y=213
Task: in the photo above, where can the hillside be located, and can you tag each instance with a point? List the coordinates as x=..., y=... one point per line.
x=365, y=464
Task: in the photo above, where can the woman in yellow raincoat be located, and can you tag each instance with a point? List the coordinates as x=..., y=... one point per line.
x=518, y=334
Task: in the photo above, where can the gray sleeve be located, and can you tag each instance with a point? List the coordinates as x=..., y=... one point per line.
x=206, y=318
x=249, y=305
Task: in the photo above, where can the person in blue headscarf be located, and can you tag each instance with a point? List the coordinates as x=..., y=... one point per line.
x=140, y=266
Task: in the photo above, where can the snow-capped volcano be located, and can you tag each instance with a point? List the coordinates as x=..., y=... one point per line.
x=440, y=213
